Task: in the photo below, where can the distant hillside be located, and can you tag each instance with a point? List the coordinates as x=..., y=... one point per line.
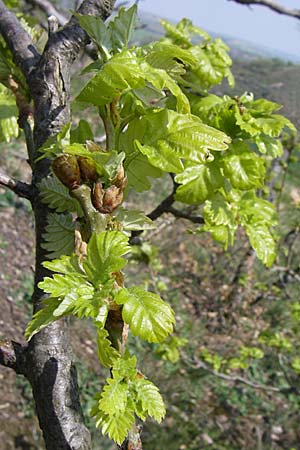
x=150, y=29
x=266, y=73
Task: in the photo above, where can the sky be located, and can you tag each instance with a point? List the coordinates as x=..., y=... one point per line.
x=257, y=24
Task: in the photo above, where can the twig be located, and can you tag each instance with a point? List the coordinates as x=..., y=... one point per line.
x=50, y=10
x=185, y=215
x=18, y=187
x=18, y=40
x=12, y=355
x=236, y=379
x=280, y=9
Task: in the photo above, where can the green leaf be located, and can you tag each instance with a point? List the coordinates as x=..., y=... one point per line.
x=253, y=209
x=245, y=170
x=160, y=79
x=198, y=183
x=269, y=146
x=82, y=133
x=123, y=26
x=116, y=426
x=107, y=354
x=57, y=196
x=162, y=156
x=114, y=397
x=42, y=318
x=213, y=64
x=97, y=30
x=104, y=255
x=262, y=242
x=151, y=400
x=220, y=219
x=119, y=73
x=165, y=136
x=59, y=235
x=138, y=169
x=169, y=57
x=133, y=220
x=148, y=316
x=65, y=265
x=125, y=367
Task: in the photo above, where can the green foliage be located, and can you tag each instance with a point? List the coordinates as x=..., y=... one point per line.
x=158, y=117
x=59, y=236
x=57, y=197
x=148, y=316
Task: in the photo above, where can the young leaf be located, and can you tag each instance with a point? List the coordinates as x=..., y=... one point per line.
x=245, y=171
x=97, y=30
x=82, y=133
x=104, y=255
x=107, y=354
x=148, y=316
x=119, y=73
x=42, y=318
x=262, y=242
x=198, y=183
x=115, y=426
x=114, y=397
x=150, y=398
x=123, y=26
x=133, y=220
x=57, y=196
x=59, y=235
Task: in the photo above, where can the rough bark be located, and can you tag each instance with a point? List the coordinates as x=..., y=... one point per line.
x=48, y=363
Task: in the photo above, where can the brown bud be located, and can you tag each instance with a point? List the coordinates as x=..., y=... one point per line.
x=97, y=196
x=112, y=198
x=120, y=177
x=67, y=171
x=87, y=169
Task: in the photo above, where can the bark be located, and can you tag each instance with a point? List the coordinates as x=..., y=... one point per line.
x=48, y=363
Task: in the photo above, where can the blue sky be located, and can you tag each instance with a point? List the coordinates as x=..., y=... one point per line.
x=256, y=24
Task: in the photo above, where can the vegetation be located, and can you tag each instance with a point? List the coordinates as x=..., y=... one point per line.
x=217, y=155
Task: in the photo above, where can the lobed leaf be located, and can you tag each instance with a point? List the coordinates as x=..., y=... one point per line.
x=148, y=316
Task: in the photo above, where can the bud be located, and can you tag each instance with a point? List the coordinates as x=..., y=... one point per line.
x=112, y=198
x=67, y=171
x=87, y=169
x=97, y=196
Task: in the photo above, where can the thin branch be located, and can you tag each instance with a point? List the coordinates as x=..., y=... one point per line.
x=280, y=9
x=185, y=215
x=12, y=355
x=235, y=378
x=18, y=187
x=18, y=40
x=49, y=9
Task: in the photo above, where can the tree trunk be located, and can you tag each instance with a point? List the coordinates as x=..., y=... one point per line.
x=48, y=359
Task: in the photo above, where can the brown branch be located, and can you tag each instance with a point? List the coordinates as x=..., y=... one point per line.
x=49, y=9
x=18, y=40
x=18, y=187
x=12, y=355
x=280, y=9
x=236, y=378
x=185, y=215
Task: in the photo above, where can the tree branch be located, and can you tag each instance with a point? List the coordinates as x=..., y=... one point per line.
x=18, y=40
x=49, y=10
x=12, y=355
x=280, y=9
x=18, y=187
x=199, y=364
x=185, y=215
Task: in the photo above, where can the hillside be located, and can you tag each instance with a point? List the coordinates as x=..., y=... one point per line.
x=150, y=29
